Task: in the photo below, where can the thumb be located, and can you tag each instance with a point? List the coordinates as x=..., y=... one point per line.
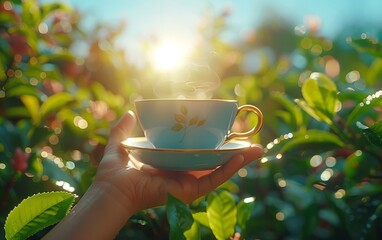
x=121, y=130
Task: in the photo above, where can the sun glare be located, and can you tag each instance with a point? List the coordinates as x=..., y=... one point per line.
x=169, y=55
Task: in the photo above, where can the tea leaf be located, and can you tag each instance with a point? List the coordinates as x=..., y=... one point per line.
x=177, y=127
x=54, y=102
x=201, y=217
x=37, y=212
x=180, y=118
x=193, y=121
x=179, y=217
x=39, y=135
x=21, y=90
x=320, y=93
x=32, y=104
x=194, y=232
x=244, y=211
x=291, y=109
x=221, y=212
x=367, y=45
x=373, y=133
x=371, y=101
x=314, y=114
x=313, y=139
x=3, y=75
x=357, y=166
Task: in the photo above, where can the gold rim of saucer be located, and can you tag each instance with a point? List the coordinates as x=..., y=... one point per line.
x=129, y=147
x=186, y=99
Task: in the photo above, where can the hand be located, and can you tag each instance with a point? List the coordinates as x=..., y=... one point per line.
x=119, y=191
x=147, y=187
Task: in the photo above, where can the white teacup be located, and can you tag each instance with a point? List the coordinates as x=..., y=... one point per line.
x=192, y=124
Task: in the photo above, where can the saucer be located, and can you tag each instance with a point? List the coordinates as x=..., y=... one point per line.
x=182, y=159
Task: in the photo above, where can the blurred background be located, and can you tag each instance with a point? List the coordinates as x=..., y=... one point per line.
x=70, y=69
x=181, y=20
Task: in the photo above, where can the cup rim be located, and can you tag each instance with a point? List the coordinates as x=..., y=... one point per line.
x=185, y=100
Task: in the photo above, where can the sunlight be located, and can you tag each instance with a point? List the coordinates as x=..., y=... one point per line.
x=169, y=55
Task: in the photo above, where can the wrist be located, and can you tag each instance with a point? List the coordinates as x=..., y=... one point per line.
x=99, y=214
x=112, y=198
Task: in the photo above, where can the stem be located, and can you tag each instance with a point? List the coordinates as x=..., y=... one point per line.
x=339, y=133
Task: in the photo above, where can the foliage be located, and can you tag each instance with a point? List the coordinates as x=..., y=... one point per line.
x=54, y=115
x=321, y=174
x=36, y=213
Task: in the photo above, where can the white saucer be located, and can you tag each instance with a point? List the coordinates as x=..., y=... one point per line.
x=182, y=159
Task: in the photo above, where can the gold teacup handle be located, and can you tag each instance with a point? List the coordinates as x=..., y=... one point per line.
x=252, y=131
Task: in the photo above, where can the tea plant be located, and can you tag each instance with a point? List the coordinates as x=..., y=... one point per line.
x=322, y=102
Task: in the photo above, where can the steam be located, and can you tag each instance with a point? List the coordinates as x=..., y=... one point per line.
x=193, y=81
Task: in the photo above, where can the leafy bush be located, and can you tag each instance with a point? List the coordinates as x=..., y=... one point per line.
x=322, y=100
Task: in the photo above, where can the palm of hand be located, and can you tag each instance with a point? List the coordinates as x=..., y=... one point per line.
x=147, y=187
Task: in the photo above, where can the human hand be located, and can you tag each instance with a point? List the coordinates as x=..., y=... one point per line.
x=119, y=191
x=147, y=187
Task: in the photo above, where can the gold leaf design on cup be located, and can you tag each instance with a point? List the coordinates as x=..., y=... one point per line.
x=184, y=123
x=193, y=120
x=183, y=110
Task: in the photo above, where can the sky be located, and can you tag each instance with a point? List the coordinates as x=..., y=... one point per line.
x=180, y=18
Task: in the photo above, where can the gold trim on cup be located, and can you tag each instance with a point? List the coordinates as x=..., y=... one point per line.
x=252, y=131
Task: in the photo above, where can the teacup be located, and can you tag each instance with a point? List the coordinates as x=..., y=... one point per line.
x=192, y=124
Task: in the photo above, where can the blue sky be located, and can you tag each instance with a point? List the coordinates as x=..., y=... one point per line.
x=163, y=18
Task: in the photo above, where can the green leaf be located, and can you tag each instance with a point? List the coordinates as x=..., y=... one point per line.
x=357, y=166
x=3, y=76
x=320, y=94
x=31, y=13
x=33, y=105
x=367, y=45
x=36, y=167
x=20, y=112
x=368, y=224
x=371, y=101
x=316, y=115
x=87, y=178
x=244, y=211
x=201, y=217
x=313, y=139
x=221, y=212
x=54, y=102
x=193, y=233
x=179, y=217
x=39, y=135
x=37, y=212
x=374, y=73
x=291, y=109
x=373, y=133
x=20, y=90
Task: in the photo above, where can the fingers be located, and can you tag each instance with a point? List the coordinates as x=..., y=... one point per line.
x=211, y=181
x=122, y=129
x=114, y=150
x=256, y=151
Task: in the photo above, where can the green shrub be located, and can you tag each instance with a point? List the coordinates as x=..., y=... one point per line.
x=322, y=101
